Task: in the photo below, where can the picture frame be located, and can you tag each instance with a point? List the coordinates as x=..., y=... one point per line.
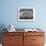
x=26, y=14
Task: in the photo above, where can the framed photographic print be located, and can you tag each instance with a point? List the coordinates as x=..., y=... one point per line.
x=26, y=14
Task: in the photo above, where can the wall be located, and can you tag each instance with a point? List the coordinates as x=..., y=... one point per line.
x=8, y=15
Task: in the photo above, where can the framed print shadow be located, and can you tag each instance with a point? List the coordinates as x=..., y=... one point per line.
x=26, y=14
